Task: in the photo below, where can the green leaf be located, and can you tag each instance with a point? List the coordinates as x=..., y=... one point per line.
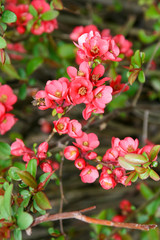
x=152, y=13
x=10, y=71
x=32, y=167
x=141, y=77
x=154, y=152
x=42, y=200
x=144, y=175
x=137, y=58
x=34, y=64
x=3, y=43
x=145, y=38
x=4, y=26
x=154, y=175
x=130, y=177
x=33, y=11
x=57, y=4
x=5, y=150
x=135, y=158
x=28, y=179
x=17, y=234
x=41, y=211
x=9, y=17
x=152, y=207
x=149, y=51
x=13, y=173
x=24, y=220
x=146, y=191
x=66, y=51
x=22, y=92
x=6, y=204
x=133, y=76
x=124, y=164
x=49, y=15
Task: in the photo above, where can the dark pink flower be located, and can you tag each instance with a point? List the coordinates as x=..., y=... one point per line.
x=7, y=122
x=78, y=31
x=18, y=147
x=102, y=96
x=117, y=86
x=124, y=45
x=42, y=150
x=89, y=174
x=107, y=181
x=125, y=205
x=118, y=218
x=80, y=163
x=71, y=153
x=7, y=97
x=74, y=129
x=42, y=100
x=87, y=142
x=61, y=125
x=128, y=145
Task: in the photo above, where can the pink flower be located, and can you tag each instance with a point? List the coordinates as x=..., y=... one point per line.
x=123, y=179
x=46, y=167
x=102, y=96
x=84, y=71
x=117, y=86
x=78, y=31
x=41, y=6
x=18, y=147
x=42, y=100
x=37, y=28
x=124, y=45
x=89, y=174
x=42, y=150
x=97, y=73
x=90, y=108
x=7, y=122
x=113, y=51
x=87, y=142
x=7, y=97
x=74, y=129
x=46, y=127
x=91, y=155
x=57, y=89
x=2, y=110
x=128, y=145
x=91, y=46
x=110, y=155
x=81, y=91
x=80, y=163
x=50, y=26
x=71, y=153
x=117, y=237
x=107, y=181
x=119, y=173
x=61, y=125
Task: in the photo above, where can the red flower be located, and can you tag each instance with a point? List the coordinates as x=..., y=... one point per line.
x=89, y=174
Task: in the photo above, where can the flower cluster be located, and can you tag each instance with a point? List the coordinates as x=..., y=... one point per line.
x=102, y=45
x=7, y=100
x=38, y=24
x=18, y=148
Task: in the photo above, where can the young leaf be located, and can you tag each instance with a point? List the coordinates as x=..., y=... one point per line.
x=5, y=150
x=32, y=167
x=42, y=201
x=154, y=175
x=133, y=77
x=135, y=158
x=13, y=173
x=33, y=64
x=6, y=203
x=132, y=174
x=33, y=11
x=9, y=17
x=50, y=15
x=124, y=164
x=57, y=4
x=24, y=220
x=28, y=179
x=141, y=77
x=154, y=152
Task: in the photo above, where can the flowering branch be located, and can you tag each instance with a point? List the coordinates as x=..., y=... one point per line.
x=78, y=215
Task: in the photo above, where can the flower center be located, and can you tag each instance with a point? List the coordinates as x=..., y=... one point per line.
x=81, y=74
x=73, y=129
x=3, y=98
x=58, y=94
x=99, y=95
x=85, y=143
x=95, y=77
x=82, y=91
x=130, y=148
x=72, y=153
x=60, y=126
x=95, y=50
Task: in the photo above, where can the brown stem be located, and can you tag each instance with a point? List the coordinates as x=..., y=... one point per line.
x=78, y=215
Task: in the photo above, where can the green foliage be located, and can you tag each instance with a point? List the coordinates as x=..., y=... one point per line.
x=28, y=179
x=33, y=64
x=32, y=167
x=42, y=200
x=50, y=15
x=22, y=91
x=3, y=43
x=9, y=17
x=24, y=220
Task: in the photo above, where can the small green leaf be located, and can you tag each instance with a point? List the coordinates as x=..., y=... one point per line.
x=6, y=204
x=13, y=173
x=28, y=179
x=137, y=58
x=144, y=175
x=57, y=4
x=24, y=220
x=9, y=17
x=146, y=191
x=146, y=38
x=141, y=77
x=49, y=15
x=32, y=167
x=42, y=201
x=135, y=158
x=124, y=164
x=5, y=150
x=17, y=234
x=154, y=152
x=22, y=92
x=3, y=43
x=133, y=76
x=10, y=70
x=34, y=64
x=129, y=178
x=33, y=11
x=154, y=175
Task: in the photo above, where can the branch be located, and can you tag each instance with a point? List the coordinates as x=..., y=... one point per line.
x=78, y=215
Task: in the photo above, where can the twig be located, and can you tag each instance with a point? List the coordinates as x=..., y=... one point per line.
x=78, y=215
x=145, y=127
x=50, y=136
